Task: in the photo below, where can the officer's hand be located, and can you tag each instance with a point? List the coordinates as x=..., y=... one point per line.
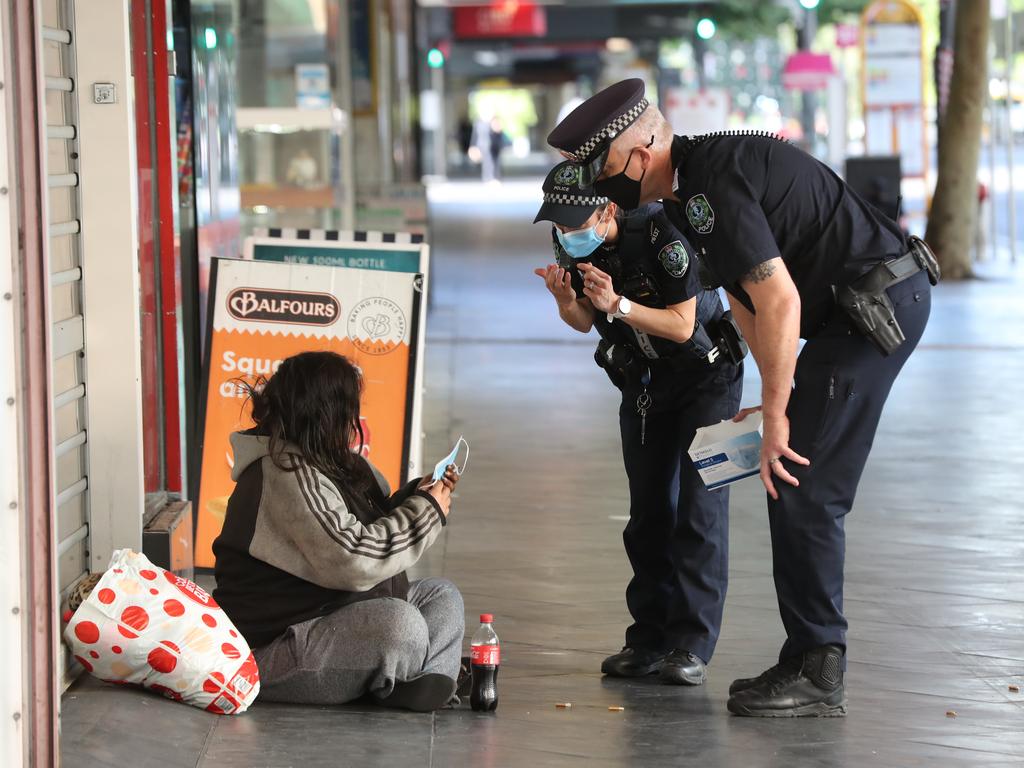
x=744, y=412
x=775, y=448
x=597, y=286
x=559, y=282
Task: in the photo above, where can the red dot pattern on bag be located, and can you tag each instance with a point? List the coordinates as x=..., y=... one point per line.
x=161, y=660
x=214, y=683
x=173, y=607
x=209, y=621
x=84, y=663
x=106, y=596
x=232, y=633
x=116, y=648
x=94, y=654
x=148, y=575
x=87, y=632
x=154, y=591
x=118, y=570
x=136, y=618
x=230, y=651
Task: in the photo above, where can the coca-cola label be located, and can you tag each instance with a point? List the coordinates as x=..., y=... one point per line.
x=486, y=655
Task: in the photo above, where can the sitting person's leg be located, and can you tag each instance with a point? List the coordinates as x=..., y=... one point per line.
x=375, y=646
x=440, y=603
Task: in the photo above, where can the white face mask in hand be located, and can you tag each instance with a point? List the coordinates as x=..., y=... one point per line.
x=442, y=465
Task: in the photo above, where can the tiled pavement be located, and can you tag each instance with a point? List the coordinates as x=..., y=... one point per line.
x=935, y=587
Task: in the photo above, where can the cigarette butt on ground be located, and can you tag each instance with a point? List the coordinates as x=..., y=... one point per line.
x=564, y=705
x=950, y=713
x=616, y=709
x=1015, y=688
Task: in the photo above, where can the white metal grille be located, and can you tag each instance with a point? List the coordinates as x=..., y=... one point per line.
x=71, y=435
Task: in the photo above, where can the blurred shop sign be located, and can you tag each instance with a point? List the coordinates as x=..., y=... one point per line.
x=508, y=18
x=695, y=112
x=806, y=71
x=312, y=86
x=892, y=81
x=847, y=35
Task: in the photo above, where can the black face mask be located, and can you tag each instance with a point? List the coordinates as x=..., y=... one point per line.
x=620, y=189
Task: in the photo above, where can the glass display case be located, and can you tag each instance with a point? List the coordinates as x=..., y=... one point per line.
x=290, y=167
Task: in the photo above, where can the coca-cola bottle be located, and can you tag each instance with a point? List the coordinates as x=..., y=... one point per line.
x=485, y=658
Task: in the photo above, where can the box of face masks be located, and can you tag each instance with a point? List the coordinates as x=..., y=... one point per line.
x=726, y=452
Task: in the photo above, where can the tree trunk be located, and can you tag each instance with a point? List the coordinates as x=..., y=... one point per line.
x=954, y=213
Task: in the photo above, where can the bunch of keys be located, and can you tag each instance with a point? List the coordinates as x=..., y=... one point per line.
x=643, y=404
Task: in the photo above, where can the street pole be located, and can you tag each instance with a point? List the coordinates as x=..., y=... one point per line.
x=808, y=100
x=1011, y=211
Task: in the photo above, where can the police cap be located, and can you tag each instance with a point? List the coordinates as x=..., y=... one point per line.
x=566, y=200
x=589, y=130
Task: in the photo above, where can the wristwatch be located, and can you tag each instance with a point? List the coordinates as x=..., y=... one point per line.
x=621, y=311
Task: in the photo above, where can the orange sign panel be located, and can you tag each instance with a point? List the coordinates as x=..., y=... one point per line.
x=264, y=312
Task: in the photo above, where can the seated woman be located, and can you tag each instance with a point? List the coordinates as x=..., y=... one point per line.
x=312, y=557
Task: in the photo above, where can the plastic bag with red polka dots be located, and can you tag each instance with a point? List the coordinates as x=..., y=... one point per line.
x=142, y=625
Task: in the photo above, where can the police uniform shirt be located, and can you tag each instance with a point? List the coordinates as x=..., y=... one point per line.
x=748, y=199
x=663, y=255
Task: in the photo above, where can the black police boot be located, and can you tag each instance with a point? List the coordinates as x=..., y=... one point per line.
x=815, y=690
x=683, y=668
x=783, y=668
x=633, y=662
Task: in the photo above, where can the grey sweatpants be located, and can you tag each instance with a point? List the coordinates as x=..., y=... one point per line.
x=366, y=647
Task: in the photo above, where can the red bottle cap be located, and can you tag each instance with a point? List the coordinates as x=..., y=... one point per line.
x=486, y=618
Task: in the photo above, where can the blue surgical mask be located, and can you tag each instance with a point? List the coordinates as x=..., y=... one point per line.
x=580, y=243
x=442, y=465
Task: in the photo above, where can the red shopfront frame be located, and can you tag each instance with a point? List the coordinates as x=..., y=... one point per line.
x=159, y=249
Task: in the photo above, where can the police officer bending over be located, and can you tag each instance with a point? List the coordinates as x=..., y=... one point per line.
x=801, y=255
x=633, y=278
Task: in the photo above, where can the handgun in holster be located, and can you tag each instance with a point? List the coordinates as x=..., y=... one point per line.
x=867, y=301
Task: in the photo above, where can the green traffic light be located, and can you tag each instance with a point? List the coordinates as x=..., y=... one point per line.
x=210, y=38
x=435, y=59
x=810, y=5
x=705, y=29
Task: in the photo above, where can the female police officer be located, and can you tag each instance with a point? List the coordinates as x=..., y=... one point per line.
x=801, y=255
x=633, y=278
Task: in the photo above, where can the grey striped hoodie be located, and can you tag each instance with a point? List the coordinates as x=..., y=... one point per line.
x=296, y=545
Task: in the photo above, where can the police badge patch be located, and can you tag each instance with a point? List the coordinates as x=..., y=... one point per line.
x=700, y=214
x=568, y=175
x=674, y=259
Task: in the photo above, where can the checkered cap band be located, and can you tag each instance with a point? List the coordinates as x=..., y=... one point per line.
x=559, y=199
x=613, y=129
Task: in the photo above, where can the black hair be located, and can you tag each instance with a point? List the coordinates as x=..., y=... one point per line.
x=312, y=403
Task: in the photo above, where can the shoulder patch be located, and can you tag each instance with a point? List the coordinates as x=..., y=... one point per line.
x=700, y=214
x=674, y=259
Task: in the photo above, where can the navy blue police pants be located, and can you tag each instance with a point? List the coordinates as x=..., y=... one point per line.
x=677, y=537
x=842, y=382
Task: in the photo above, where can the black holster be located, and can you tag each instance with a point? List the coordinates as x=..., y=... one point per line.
x=721, y=339
x=619, y=361
x=867, y=302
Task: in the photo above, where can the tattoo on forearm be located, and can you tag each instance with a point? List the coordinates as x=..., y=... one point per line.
x=760, y=273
